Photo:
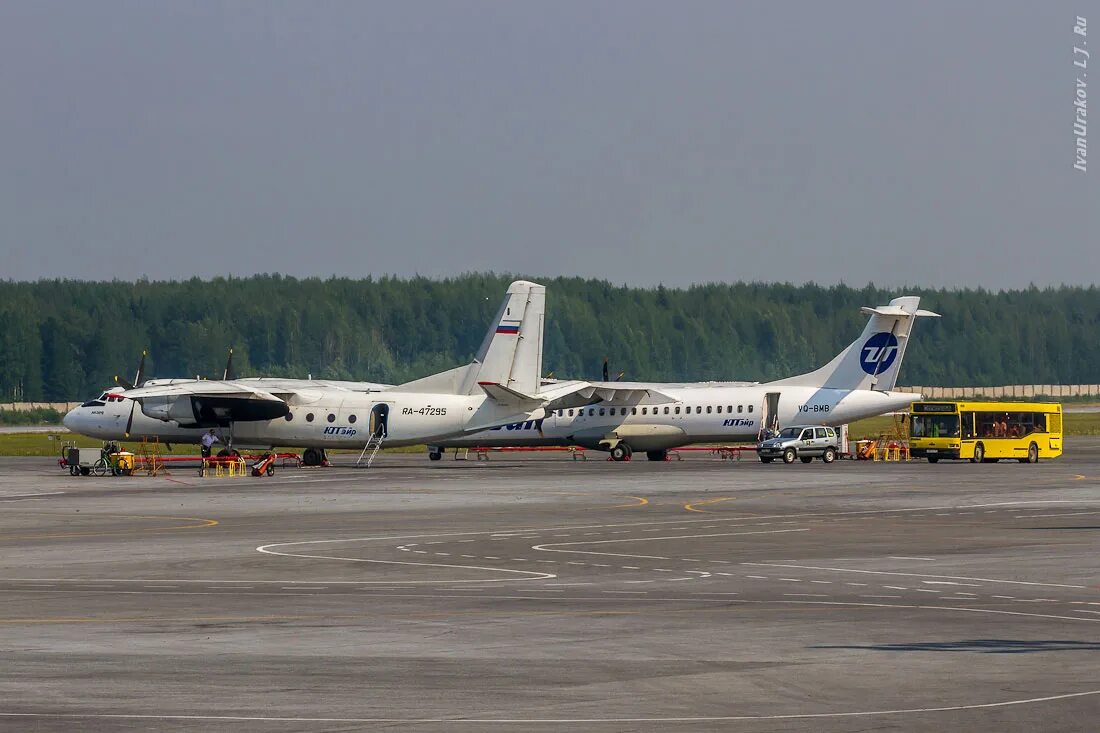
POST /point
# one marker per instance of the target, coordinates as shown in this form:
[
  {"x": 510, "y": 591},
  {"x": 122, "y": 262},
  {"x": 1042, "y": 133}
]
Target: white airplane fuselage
[
  {"x": 317, "y": 419},
  {"x": 699, "y": 414}
]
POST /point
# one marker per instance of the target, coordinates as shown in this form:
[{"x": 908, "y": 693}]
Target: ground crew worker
[{"x": 208, "y": 440}]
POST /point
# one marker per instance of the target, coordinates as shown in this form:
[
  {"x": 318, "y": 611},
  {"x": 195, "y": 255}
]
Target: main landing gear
[
  {"x": 621, "y": 452},
  {"x": 314, "y": 457}
]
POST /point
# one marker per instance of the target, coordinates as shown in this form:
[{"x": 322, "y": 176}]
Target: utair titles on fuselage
[
  {"x": 500, "y": 386},
  {"x": 656, "y": 417}
]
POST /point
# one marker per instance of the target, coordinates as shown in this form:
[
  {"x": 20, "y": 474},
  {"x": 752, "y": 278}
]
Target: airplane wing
[
  {"x": 578, "y": 394},
  {"x": 197, "y": 387},
  {"x": 207, "y": 403}
]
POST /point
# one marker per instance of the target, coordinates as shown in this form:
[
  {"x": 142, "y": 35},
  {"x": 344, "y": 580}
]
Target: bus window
[{"x": 934, "y": 426}]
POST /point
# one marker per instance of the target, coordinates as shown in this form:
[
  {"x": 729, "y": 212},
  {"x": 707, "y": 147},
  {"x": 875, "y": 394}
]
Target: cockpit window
[{"x": 92, "y": 403}]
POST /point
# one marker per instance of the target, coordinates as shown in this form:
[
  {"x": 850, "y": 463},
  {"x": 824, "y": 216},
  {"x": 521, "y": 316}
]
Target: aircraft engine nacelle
[
  {"x": 178, "y": 409},
  {"x": 208, "y": 411}
]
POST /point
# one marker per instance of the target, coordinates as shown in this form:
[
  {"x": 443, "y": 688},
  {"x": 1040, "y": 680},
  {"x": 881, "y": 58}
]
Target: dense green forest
[{"x": 63, "y": 340}]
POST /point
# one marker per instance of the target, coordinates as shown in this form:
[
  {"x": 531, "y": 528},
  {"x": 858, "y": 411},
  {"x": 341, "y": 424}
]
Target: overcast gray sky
[{"x": 924, "y": 143}]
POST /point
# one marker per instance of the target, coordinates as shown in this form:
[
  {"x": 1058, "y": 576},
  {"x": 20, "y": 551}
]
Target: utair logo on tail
[{"x": 879, "y": 353}]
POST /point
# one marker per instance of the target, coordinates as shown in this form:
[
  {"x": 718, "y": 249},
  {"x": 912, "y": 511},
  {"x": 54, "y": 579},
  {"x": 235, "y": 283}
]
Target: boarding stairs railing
[{"x": 374, "y": 444}]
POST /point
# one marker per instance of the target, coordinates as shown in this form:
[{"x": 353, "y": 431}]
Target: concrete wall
[
  {"x": 24, "y": 406},
  {"x": 1005, "y": 391}
]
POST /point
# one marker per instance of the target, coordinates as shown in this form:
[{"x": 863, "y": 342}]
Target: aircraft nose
[{"x": 70, "y": 419}]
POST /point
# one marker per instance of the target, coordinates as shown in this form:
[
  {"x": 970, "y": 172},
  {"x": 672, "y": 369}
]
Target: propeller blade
[
  {"x": 140, "y": 376},
  {"x": 605, "y": 370},
  {"x": 130, "y": 421},
  {"x": 620, "y": 377},
  {"x": 227, "y": 374},
  {"x": 123, "y": 383}
]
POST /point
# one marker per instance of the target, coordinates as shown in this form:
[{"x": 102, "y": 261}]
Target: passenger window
[
  {"x": 750, "y": 408},
  {"x": 351, "y": 419},
  {"x": 331, "y": 417},
  {"x": 666, "y": 410},
  {"x": 677, "y": 410},
  {"x": 645, "y": 410},
  {"x": 740, "y": 407},
  {"x": 570, "y": 413},
  {"x": 820, "y": 432},
  {"x": 601, "y": 412},
  {"x": 309, "y": 417},
  {"x": 719, "y": 409},
  {"x": 289, "y": 416},
  {"x": 591, "y": 411},
  {"x": 708, "y": 409},
  {"x": 633, "y": 410}
]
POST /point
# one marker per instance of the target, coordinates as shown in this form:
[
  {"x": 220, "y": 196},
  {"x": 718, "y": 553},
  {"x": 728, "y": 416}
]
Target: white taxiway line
[{"x": 551, "y": 721}]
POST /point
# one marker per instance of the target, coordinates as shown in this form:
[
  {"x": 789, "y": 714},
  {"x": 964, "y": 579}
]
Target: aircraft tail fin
[
  {"x": 872, "y": 361},
  {"x": 510, "y": 355}
]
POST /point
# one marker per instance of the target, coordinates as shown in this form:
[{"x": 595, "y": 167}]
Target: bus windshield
[{"x": 934, "y": 426}]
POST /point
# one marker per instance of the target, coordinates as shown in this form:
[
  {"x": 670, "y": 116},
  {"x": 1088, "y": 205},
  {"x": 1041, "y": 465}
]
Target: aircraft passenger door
[
  {"x": 769, "y": 421},
  {"x": 379, "y": 420}
]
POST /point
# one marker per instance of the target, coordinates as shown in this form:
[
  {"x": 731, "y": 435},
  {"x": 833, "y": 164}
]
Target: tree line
[{"x": 65, "y": 339}]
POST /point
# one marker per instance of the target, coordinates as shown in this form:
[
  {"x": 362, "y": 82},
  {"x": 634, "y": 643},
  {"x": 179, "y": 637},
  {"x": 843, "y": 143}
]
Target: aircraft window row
[
  {"x": 309, "y": 417},
  {"x": 612, "y": 411}
]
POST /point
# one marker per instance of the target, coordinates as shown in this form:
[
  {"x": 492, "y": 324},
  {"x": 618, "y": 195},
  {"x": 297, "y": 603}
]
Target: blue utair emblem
[{"x": 879, "y": 352}]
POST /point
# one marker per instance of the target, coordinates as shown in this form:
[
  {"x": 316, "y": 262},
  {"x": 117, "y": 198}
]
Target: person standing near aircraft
[{"x": 208, "y": 440}]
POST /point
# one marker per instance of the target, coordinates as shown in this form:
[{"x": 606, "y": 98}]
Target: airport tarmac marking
[
  {"x": 914, "y": 575},
  {"x": 691, "y": 507},
  {"x": 640, "y": 501},
  {"x": 202, "y": 524},
  {"x": 28, "y": 497}
]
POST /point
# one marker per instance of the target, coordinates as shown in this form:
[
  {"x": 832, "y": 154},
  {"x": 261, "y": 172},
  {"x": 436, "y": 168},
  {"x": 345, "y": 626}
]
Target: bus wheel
[
  {"x": 1033, "y": 453},
  {"x": 979, "y": 453},
  {"x": 933, "y": 459}
]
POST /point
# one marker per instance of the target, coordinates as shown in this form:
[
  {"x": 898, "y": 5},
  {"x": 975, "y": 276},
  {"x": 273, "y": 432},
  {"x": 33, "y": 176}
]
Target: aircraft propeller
[{"x": 126, "y": 384}]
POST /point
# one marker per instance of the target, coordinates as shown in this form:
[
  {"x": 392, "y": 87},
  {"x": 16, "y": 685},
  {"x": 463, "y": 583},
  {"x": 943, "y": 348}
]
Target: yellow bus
[{"x": 985, "y": 432}]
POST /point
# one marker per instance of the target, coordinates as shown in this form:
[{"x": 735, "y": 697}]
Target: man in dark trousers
[{"x": 208, "y": 441}]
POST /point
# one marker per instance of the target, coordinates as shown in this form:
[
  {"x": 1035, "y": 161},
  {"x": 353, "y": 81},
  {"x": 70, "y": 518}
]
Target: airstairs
[{"x": 374, "y": 444}]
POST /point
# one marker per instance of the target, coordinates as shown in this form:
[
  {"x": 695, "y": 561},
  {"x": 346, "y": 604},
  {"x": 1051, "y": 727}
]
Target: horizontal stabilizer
[{"x": 507, "y": 396}]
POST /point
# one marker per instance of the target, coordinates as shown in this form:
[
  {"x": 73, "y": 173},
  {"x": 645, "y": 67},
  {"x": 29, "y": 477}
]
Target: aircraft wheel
[
  {"x": 435, "y": 455},
  {"x": 312, "y": 457},
  {"x": 619, "y": 452},
  {"x": 657, "y": 455},
  {"x": 829, "y": 455},
  {"x": 789, "y": 455}
]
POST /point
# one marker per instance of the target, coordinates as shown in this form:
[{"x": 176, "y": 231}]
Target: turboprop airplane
[
  {"x": 500, "y": 386},
  {"x": 857, "y": 383}
]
